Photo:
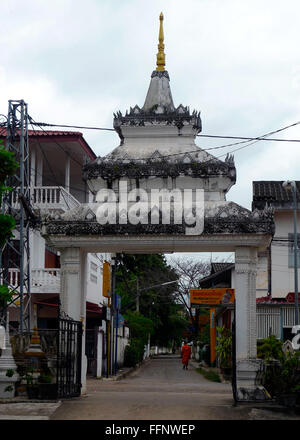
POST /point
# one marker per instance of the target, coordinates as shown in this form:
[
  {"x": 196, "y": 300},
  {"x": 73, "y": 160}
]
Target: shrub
[
  {"x": 224, "y": 347},
  {"x": 134, "y": 352},
  {"x": 270, "y": 349},
  {"x": 5, "y": 295}
]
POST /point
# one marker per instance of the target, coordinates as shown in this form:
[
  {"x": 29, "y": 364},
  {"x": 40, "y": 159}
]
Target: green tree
[
  {"x": 136, "y": 274},
  {"x": 140, "y": 327},
  {"x": 8, "y": 166}
]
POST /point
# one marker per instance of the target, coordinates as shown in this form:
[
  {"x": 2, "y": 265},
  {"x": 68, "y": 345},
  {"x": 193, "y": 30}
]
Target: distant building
[
  {"x": 279, "y": 271},
  {"x": 275, "y": 271}
]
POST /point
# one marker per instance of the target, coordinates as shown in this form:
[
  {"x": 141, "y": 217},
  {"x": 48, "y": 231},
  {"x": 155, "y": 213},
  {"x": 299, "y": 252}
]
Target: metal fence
[
  {"x": 272, "y": 320},
  {"x": 56, "y": 357}
]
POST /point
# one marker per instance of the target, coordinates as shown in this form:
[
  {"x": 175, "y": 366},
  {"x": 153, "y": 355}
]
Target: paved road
[{"x": 160, "y": 390}]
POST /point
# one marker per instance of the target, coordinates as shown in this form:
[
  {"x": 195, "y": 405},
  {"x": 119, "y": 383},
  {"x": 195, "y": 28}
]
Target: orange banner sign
[{"x": 211, "y": 297}]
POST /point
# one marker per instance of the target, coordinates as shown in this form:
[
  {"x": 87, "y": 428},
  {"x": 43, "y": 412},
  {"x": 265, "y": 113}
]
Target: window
[
  {"x": 93, "y": 278},
  {"x": 291, "y": 250},
  {"x": 94, "y": 267}
]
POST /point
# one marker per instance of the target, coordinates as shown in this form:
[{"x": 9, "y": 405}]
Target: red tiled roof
[
  {"x": 291, "y": 297},
  {"x": 270, "y": 300},
  {"x": 45, "y": 133},
  {"x": 57, "y": 133}
]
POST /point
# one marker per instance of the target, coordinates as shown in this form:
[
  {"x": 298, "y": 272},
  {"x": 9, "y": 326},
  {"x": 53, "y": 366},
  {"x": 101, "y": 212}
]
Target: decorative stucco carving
[
  {"x": 118, "y": 169},
  {"x": 136, "y": 117},
  {"x": 219, "y": 218}
]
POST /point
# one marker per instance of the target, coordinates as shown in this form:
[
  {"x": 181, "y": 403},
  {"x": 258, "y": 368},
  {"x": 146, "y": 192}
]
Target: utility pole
[
  {"x": 292, "y": 186},
  {"x": 295, "y": 253},
  {"x": 112, "y": 315},
  {"x": 106, "y": 292},
  {"x": 16, "y": 255}
]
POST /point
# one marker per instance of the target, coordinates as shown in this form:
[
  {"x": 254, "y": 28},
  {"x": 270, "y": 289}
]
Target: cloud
[{"x": 238, "y": 62}]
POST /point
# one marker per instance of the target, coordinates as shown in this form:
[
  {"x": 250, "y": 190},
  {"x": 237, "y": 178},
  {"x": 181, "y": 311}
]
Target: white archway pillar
[
  {"x": 73, "y": 293},
  {"x": 245, "y": 286}
]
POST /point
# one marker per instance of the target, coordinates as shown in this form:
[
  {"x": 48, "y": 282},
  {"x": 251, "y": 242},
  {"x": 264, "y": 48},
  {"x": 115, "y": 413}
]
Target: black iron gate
[{"x": 69, "y": 355}]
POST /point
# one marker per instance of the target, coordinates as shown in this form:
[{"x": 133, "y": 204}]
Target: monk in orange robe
[{"x": 186, "y": 354}]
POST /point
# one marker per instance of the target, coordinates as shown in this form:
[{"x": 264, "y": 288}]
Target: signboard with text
[{"x": 211, "y": 297}]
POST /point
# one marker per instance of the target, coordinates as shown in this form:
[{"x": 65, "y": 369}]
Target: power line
[
  {"x": 253, "y": 141},
  {"x": 32, "y": 122},
  {"x": 45, "y": 124},
  {"x": 247, "y": 139},
  {"x": 260, "y": 138}
]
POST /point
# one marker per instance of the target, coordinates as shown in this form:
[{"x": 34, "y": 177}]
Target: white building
[
  {"x": 275, "y": 290},
  {"x": 56, "y": 185}
]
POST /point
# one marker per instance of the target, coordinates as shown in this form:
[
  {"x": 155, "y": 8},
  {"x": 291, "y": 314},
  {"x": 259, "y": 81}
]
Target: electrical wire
[
  {"x": 32, "y": 122},
  {"x": 45, "y": 124}
]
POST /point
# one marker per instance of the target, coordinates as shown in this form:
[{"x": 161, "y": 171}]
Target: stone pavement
[
  {"x": 162, "y": 390},
  {"x": 158, "y": 389},
  {"x": 20, "y": 408},
  {"x": 27, "y": 410}
]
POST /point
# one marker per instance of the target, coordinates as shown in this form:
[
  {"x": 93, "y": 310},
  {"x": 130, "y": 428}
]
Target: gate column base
[{"x": 247, "y": 389}]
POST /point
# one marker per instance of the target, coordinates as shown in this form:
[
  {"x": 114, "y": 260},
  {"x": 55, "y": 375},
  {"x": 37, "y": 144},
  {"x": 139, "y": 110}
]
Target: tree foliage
[
  {"x": 139, "y": 273},
  {"x": 8, "y": 167},
  {"x": 189, "y": 273}
]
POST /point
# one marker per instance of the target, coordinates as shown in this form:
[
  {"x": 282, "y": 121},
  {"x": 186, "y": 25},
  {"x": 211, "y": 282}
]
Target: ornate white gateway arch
[{"x": 159, "y": 192}]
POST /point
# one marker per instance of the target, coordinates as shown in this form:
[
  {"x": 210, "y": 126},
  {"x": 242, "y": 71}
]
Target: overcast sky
[{"x": 238, "y": 62}]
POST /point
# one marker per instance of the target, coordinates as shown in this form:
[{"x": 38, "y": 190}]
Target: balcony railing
[
  {"x": 48, "y": 197},
  {"x": 41, "y": 280}
]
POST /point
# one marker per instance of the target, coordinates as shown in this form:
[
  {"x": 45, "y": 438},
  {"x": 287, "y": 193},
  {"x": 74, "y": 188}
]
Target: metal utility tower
[{"x": 15, "y": 256}]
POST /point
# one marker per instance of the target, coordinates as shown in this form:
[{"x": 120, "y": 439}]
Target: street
[{"x": 160, "y": 390}]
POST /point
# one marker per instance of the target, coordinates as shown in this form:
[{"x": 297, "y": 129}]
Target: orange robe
[{"x": 186, "y": 353}]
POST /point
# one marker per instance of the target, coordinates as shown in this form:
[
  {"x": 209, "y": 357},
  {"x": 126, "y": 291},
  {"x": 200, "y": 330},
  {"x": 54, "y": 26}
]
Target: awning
[{"x": 92, "y": 310}]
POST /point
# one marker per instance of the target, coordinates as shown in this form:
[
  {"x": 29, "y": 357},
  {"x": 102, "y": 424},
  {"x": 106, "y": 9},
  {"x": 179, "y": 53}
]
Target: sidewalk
[
  {"x": 27, "y": 409},
  {"x": 21, "y": 408}
]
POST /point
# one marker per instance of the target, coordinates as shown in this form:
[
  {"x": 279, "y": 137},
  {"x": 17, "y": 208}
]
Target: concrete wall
[{"x": 282, "y": 277}]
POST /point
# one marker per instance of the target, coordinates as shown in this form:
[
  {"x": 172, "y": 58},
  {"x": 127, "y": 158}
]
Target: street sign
[
  {"x": 211, "y": 297},
  {"x": 121, "y": 320},
  {"x": 118, "y": 302}
]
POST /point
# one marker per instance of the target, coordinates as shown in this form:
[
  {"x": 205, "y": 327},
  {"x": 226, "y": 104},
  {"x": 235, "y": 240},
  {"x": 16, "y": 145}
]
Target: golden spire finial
[{"x": 160, "y": 57}]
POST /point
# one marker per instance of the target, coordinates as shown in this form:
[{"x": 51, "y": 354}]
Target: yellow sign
[
  {"x": 106, "y": 289},
  {"x": 211, "y": 297}
]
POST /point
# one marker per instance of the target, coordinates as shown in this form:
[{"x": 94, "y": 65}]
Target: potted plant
[
  {"x": 224, "y": 350},
  {"x": 31, "y": 385},
  {"x": 47, "y": 389},
  {"x": 9, "y": 388}
]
